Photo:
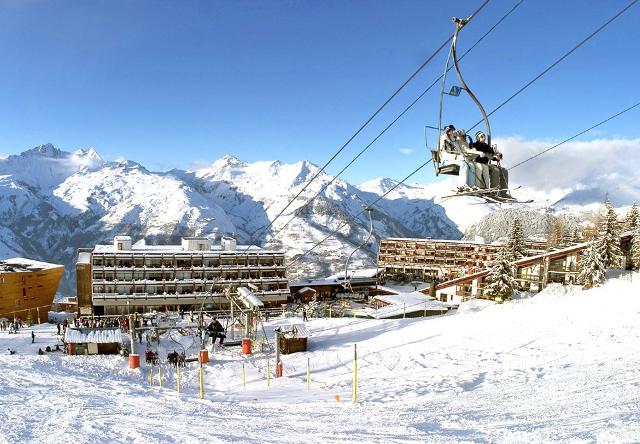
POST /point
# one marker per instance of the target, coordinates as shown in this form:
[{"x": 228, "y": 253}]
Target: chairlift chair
[{"x": 457, "y": 157}]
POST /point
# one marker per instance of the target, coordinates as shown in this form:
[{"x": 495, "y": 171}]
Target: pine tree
[
  {"x": 516, "y": 247},
  {"x": 554, "y": 234},
  {"x": 500, "y": 280},
  {"x": 632, "y": 221},
  {"x": 608, "y": 238},
  {"x": 591, "y": 266},
  {"x": 576, "y": 236},
  {"x": 635, "y": 250}
]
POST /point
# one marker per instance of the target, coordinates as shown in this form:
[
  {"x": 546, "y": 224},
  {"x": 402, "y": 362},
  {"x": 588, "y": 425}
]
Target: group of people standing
[
  {"x": 479, "y": 162},
  {"x": 11, "y": 326}
]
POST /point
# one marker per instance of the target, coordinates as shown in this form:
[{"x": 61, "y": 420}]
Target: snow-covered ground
[{"x": 563, "y": 365}]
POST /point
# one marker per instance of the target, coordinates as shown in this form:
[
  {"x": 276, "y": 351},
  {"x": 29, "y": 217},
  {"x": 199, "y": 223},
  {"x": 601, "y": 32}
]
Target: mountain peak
[
  {"x": 46, "y": 150},
  {"x": 230, "y": 160},
  {"x": 89, "y": 153}
]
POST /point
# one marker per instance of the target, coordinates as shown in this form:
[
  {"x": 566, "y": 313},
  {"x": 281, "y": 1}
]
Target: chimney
[
  {"x": 122, "y": 243},
  {"x": 228, "y": 242}
]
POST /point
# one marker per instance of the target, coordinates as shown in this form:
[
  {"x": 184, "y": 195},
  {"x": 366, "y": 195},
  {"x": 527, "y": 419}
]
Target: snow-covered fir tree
[
  {"x": 608, "y": 238},
  {"x": 632, "y": 221},
  {"x": 500, "y": 282},
  {"x": 516, "y": 248},
  {"x": 635, "y": 250},
  {"x": 576, "y": 236},
  {"x": 591, "y": 266}
]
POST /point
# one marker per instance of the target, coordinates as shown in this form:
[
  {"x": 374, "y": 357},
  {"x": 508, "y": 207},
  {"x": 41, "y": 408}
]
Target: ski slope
[{"x": 563, "y": 365}]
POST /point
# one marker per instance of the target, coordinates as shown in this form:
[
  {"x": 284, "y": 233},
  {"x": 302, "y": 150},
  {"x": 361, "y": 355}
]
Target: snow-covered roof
[
  {"x": 240, "y": 249},
  {"x": 405, "y": 303},
  {"x": 20, "y": 264},
  {"x": 314, "y": 282},
  {"x": 93, "y": 335},
  {"x": 443, "y": 241},
  {"x": 364, "y": 273},
  {"x": 306, "y": 289}
]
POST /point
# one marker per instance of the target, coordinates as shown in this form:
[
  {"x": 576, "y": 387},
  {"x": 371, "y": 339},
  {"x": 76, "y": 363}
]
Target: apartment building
[
  {"x": 123, "y": 277},
  {"x": 424, "y": 259}
]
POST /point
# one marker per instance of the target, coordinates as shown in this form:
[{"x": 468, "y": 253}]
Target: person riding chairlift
[{"x": 473, "y": 173}]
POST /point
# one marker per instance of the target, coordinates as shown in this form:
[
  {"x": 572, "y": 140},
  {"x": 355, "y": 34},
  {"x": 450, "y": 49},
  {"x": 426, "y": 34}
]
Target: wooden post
[
  {"x": 178, "y": 377},
  {"x": 151, "y": 375},
  {"x": 404, "y": 310},
  {"x": 160, "y": 375},
  {"x": 244, "y": 376},
  {"x": 268, "y": 375},
  {"x": 354, "y": 394},
  {"x": 308, "y": 375},
  {"x": 201, "y": 381}
]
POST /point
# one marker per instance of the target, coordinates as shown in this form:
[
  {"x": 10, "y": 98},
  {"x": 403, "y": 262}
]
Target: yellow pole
[
  {"x": 244, "y": 376},
  {"x": 268, "y": 375},
  {"x": 178, "y": 377},
  {"x": 354, "y": 395},
  {"x": 160, "y": 375},
  {"x": 201, "y": 382},
  {"x": 308, "y": 375},
  {"x": 151, "y": 376}
]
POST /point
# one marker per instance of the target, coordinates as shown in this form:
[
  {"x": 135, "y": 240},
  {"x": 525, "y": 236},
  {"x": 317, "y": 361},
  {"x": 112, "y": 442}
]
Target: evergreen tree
[
  {"x": 516, "y": 247},
  {"x": 500, "y": 280},
  {"x": 632, "y": 221},
  {"x": 555, "y": 233},
  {"x": 576, "y": 236},
  {"x": 608, "y": 238},
  {"x": 635, "y": 250},
  {"x": 591, "y": 266}
]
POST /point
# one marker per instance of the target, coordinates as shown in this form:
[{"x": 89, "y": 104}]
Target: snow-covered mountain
[{"x": 53, "y": 202}]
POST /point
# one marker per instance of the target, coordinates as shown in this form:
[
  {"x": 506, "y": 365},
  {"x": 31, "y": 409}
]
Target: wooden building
[
  {"x": 27, "y": 288},
  {"x": 93, "y": 341},
  {"x": 533, "y": 273}
]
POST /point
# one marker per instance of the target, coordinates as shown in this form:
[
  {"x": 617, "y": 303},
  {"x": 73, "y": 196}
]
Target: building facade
[
  {"x": 124, "y": 278},
  {"x": 426, "y": 259},
  {"x": 27, "y": 288}
]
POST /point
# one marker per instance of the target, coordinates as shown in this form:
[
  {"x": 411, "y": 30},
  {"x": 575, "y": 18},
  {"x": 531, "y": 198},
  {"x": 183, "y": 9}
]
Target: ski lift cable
[
  {"x": 496, "y": 109},
  {"x": 564, "y": 56},
  {"x": 406, "y": 82},
  {"x": 343, "y": 224},
  {"x": 347, "y": 278},
  {"x": 576, "y": 135},
  {"x": 394, "y": 121},
  {"x": 427, "y": 162}
]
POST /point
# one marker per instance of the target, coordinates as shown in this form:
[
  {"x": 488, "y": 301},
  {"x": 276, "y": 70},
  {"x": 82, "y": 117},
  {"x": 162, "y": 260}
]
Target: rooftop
[
  {"x": 22, "y": 265},
  {"x": 240, "y": 249}
]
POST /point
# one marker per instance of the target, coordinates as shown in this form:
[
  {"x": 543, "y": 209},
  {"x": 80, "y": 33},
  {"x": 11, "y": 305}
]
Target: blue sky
[{"x": 182, "y": 83}]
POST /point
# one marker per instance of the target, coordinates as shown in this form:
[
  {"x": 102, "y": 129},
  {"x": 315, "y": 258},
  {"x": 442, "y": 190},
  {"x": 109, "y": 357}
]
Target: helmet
[
  {"x": 449, "y": 127},
  {"x": 478, "y": 134}
]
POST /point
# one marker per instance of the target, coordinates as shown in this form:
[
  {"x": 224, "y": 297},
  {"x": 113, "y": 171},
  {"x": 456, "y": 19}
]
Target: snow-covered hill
[{"x": 560, "y": 366}]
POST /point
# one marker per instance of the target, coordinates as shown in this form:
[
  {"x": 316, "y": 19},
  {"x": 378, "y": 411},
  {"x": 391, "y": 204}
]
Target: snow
[
  {"x": 562, "y": 365},
  {"x": 23, "y": 264},
  {"x": 405, "y": 303},
  {"x": 97, "y": 336}
]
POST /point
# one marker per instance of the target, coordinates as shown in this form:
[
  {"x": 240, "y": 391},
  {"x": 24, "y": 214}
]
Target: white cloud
[
  {"x": 406, "y": 151},
  {"x": 607, "y": 165}
]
